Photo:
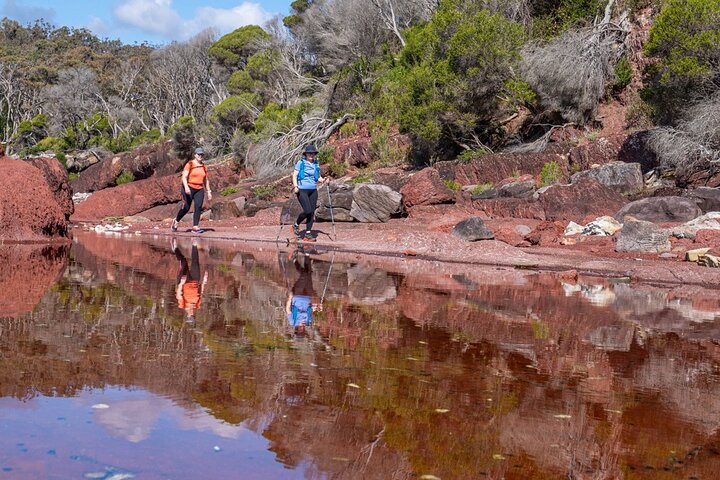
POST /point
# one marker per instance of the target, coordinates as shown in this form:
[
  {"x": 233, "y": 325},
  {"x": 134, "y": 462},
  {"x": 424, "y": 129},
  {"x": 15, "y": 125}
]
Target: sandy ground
[{"x": 409, "y": 240}]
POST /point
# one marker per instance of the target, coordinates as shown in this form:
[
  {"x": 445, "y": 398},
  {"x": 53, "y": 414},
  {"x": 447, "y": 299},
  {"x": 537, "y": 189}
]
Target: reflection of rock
[
  {"x": 617, "y": 338},
  {"x": 28, "y": 271},
  {"x": 369, "y": 286}
]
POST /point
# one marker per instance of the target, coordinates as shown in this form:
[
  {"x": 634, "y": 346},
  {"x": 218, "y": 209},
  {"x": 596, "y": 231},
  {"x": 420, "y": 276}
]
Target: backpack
[
  {"x": 301, "y": 171},
  {"x": 295, "y": 311}
]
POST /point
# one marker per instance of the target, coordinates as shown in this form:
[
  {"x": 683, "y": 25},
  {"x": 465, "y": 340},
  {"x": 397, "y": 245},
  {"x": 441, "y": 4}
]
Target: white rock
[{"x": 573, "y": 229}]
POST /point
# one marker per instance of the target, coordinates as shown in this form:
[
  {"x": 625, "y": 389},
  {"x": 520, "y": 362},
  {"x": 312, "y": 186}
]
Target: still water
[{"x": 124, "y": 357}]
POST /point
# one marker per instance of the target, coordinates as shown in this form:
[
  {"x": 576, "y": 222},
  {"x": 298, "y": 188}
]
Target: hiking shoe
[
  {"x": 296, "y": 231},
  {"x": 174, "y": 225},
  {"x": 309, "y": 237}
]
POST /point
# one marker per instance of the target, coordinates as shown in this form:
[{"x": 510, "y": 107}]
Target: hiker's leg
[
  {"x": 186, "y": 205},
  {"x": 304, "y": 200},
  {"x": 194, "y": 265},
  {"x": 198, "y": 198},
  {"x": 183, "y": 271},
  {"x": 313, "y": 197}
]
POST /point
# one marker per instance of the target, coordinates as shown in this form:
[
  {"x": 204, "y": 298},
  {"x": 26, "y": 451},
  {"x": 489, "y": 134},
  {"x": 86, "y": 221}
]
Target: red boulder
[
  {"x": 426, "y": 188},
  {"x": 575, "y": 202},
  {"x": 30, "y": 210}
]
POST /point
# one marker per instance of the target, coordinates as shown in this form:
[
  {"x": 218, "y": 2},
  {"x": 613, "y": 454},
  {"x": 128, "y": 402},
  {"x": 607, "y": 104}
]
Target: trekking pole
[
  {"x": 281, "y": 227},
  {"x": 322, "y": 297},
  {"x": 332, "y": 215}
]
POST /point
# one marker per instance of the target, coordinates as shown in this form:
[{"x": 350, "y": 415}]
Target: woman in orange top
[
  {"x": 189, "y": 288},
  {"x": 195, "y": 182}
]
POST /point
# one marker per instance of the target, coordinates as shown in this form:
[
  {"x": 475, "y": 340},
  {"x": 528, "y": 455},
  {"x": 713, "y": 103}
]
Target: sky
[{"x": 157, "y": 22}]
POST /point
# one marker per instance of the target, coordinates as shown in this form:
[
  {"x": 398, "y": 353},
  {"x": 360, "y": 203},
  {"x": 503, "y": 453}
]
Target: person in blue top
[
  {"x": 299, "y": 307},
  {"x": 306, "y": 178}
]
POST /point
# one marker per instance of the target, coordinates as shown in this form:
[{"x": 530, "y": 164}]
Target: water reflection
[
  {"x": 189, "y": 286},
  {"x": 409, "y": 369}
]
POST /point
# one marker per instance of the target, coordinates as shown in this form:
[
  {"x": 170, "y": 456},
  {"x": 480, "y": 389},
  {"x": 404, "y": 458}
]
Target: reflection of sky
[{"x": 140, "y": 433}]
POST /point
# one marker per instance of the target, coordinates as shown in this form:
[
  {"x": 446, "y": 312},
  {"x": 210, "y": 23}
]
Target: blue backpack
[
  {"x": 295, "y": 311},
  {"x": 301, "y": 170}
]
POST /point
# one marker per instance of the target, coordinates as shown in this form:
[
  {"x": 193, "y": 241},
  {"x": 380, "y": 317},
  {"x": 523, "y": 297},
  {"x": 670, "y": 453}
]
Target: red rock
[
  {"x": 600, "y": 152},
  {"x": 57, "y": 179},
  {"x": 510, "y": 232},
  {"x": 708, "y": 238},
  {"x": 30, "y": 210},
  {"x": 509, "y": 180},
  {"x": 496, "y": 167},
  {"x": 129, "y": 199},
  {"x": 569, "y": 275},
  {"x": 426, "y": 188},
  {"x": 547, "y": 233},
  {"x": 143, "y": 162},
  {"x": 574, "y": 202},
  {"x": 510, "y": 208}
]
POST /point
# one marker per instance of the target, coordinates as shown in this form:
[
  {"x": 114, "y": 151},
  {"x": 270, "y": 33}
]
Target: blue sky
[{"x": 154, "y": 21}]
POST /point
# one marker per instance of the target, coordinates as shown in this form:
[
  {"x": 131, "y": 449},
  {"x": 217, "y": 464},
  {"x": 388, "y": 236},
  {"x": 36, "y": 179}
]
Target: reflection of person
[
  {"x": 194, "y": 185},
  {"x": 299, "y": 307},
  {"x": 189, "y": 289},
  {"x": 305, "y": 178}
]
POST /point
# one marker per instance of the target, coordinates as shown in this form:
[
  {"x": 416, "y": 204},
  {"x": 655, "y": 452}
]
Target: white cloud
[
  {"x": 98, "y": 26},
  {"x": 158, "y": 17},
  {"x": 25, "y": 13}
]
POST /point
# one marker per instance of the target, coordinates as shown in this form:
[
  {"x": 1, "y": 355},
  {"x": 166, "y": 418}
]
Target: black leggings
[
  {"x": 193, "y": 271},
  {"x": 304, "y": 284},
  {"x": 197, "y": 196},
  {"x": 308, "y": 200}
]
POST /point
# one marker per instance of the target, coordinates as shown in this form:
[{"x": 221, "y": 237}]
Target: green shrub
[
  {"x": 468, "y": 155},
  {"x": 685, "y": 38},
  {"x": 145, "y": 138},
  {"x": 348, "y": 129},
  {"x": 124, "y": 177},
  {"x": 623, "y": 74},
  {"x": 73, "y": 175},
  {"x": 264, "y": 191},
  {"x": 362, "y": 178},
  {"x": 481, "y": 188},
  {"x": 338, "y": 169},
  {"x": 229, "y": 191},
  {"x": 325, "y": 155},
  {"x": 551, "y": 173},
  {"x": 184, "y": 137},
  {"x": 234, "y": 48},
  {"x": 53, "y": 144},
  {"x": 447, "y": 80},
  {"x": 452, "y": 185}
]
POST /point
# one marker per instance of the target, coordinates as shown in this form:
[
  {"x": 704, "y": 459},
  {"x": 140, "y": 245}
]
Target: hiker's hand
[
  {"x": 296, "y": 189},
  {"x": 187, "y": 191},
  {"x": 209, "y": 195}
]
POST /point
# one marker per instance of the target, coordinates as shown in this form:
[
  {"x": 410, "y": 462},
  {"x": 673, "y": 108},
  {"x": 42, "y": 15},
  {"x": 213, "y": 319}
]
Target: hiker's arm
[
  {"x": 184, "y": 181},
  {"x": 294, "y": 180},
  {"x": 288, "y": 304},
  {"x": 178, "y": 290},
  {"x": 207, "y": 187}
]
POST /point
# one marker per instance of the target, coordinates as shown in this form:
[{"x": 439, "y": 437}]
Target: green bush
[
  {"x": 348, "y": 129},
  {"x": 146, "y": 138},
  {"x": 52, "y": 144},
  {"x": 325, "y": 155},
  {"x": 447, "y": 81},
  {"x": 481, "y": 188},
  {"x": 468, "y": 155},
  {"x": 452, "y": 185},
  {"x": 338, "y": 169},
  {"x": 685, "y": 38},
  {"x": 62, "y": 158},
  {"x": 623, "y": 74},
  {"x": 362, "y": 178},
  {"x": 264, "y": 191},
  {"x": 73, "y": 175},
  {"x": 551, "y": 173},
  {"x": 234, "y": 48},
  {"x": 124, "y": 177},
  {"x": 184, "y": 137},
  {"x": 229, "y": 191}
]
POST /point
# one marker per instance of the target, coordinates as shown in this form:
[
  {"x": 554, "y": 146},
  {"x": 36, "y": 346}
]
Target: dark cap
[
  {"x": 310, "y": 149},
  {"x": 199, "y": 151}
]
